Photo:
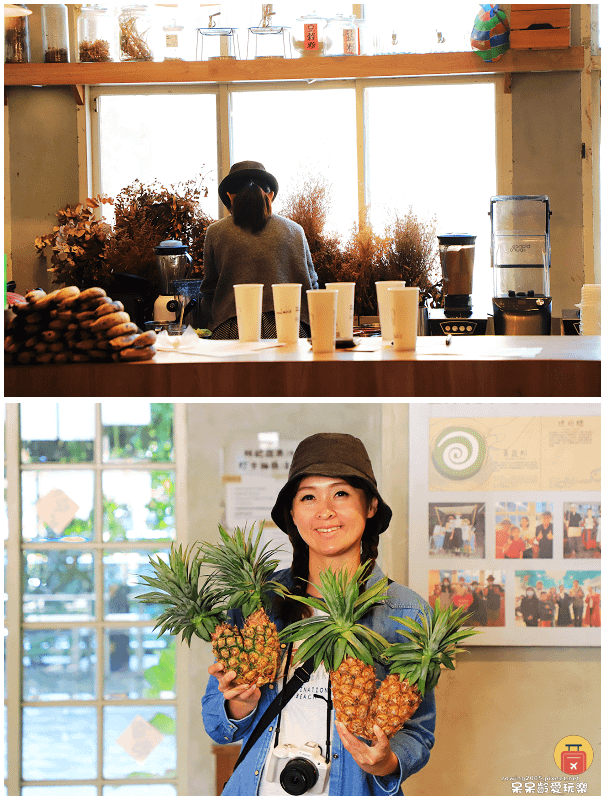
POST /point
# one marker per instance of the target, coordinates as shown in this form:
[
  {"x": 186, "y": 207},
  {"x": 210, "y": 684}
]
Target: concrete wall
[{"x": 503, "y": 710}]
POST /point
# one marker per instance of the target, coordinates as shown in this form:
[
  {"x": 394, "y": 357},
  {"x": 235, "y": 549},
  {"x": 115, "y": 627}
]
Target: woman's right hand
[{"x": 240, "y": 700}]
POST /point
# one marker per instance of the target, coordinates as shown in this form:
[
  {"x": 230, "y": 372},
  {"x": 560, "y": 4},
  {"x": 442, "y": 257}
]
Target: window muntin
[{"x": 83, "y": 639}]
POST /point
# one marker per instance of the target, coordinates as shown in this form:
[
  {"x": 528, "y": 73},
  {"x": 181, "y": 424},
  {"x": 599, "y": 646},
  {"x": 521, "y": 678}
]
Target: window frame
[
  {"x": 15, "y": 625},
  {"x": 223, "y": 92}
]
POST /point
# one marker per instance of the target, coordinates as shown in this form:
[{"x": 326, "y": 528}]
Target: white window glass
[
  {"x": 432, "y": 148},
  {"x": 59, "y": 742},
  {"x": 298, "y": 133},
  {"x": 169, "y": 138}
]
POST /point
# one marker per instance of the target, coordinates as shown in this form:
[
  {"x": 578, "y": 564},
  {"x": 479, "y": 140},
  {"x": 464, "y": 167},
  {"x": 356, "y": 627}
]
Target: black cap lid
[
  {"x": 456, "y": 238},
  {"x": 170, "y": 247}
]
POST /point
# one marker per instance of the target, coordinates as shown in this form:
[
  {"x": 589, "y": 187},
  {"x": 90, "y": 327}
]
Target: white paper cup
[
  {"x": 322, "y": 316},
  {"x": 384, "y": 307},
  {"x": 249, "y": 307},
  {"x": 403, "y": 305},
  {"x": 286, "y": 304},
  {"x": 345, "y": 309}
]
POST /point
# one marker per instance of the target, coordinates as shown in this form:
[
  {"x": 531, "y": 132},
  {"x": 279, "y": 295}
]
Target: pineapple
[
  {"x": 238, "y": 579},
  {"x": 415, "y": 665},
  {"x": 193, "y": 608},
  {"x": 348, "y": 650},
  {"x": 346, "y": 647},
  {"x": 241, "y": 573}
]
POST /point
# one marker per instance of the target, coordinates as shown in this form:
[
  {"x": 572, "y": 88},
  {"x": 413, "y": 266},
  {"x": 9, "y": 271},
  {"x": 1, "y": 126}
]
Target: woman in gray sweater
[{"x": 252, "y": 245}]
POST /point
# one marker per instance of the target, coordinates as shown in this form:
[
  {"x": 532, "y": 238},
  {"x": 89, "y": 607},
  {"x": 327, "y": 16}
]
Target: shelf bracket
[{"x": 79, "y": 93}]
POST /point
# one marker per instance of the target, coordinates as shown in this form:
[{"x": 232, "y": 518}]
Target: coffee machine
[
  {"x": 457, "y": 251},
  {"x": 521, "y": 259},
  {"x": 173, "y": 263}
]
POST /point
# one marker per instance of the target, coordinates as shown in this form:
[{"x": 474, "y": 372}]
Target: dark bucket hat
[
  {"x": 334, "y": 455},
  {"x": 240, "y": 174}
]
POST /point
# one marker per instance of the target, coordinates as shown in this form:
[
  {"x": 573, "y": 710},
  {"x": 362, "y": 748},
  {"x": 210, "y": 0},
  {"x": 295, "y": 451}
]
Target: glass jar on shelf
[
  {"x": 340, "y": 36},
  {"x": 172, "y": 41},
  {"x": 55, "y": 32},
  {"x": 17, "y": 48},
  {"x": 96, "y": 34},
  {"x": 307, "y": 36},
  {"x": 135, "y": 24},
  {"x": 366, "y": 44}
]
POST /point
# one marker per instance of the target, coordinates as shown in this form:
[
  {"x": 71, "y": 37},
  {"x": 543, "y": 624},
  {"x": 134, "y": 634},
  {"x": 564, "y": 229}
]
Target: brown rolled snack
[
  {"x": 57, "y": 347},
  {"x": 69, "y": 334},
  {"x": 109, "y": 308},
  {"x": 103, "y": 344},
  {"x": 44, "y": 358},
  {"x": 21, "y": 308},
  {"x": 91, "y": 293},
  {"x": 121, "y": 330},
  {"x": 109, "y": 321},
  {"x": 80, "y": 316},
  {"x": 31, "y": 329},
  {"x": 48, "y": 301},
  {"x": 135, "y": 354},
  {"x": 120, "y": 342},
  {"x": 67, "y": 316},
  {"x": 40, "y": 347},
  {"x": 67, "y": 292},
  {"x": 72, "y": 326},
  {"x": 30, "y": 343},
  {"x": 10, "y": 346},
  {"x": 25, "y": 357},
  {"x": 35, "y": 294},
  {"x": 86, "y": 324},
  {"x": 94, "y": 302},
  {"x": 51, "y": 335},
  {"x": 98, "y": 355},
  {"x": 80, "y": 357},
  {"x": 85, "y": 344},
  {"x": 145, "y": 339},
  {"x": 69, "y": 304},
  {"x": 33, "y": 318},
  {"x": 62, "y": 358},
  {"x": 57, "y": 324}
]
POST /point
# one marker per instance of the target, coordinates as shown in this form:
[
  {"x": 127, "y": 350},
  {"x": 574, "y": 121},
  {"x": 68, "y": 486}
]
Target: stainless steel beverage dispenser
[{"x": 521, "y": 258}]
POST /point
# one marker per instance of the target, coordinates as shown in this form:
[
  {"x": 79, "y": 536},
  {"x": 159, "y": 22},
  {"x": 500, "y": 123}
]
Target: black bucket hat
[
  {"x": 240, "y": 174},
  {"x": 334, "y": 455}
]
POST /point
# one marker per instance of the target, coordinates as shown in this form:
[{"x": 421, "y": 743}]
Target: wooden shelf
[{"x": 294, "y": 69}]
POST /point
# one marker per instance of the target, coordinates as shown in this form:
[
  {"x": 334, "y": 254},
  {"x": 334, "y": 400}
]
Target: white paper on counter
[{"x": 190, "y": 344}]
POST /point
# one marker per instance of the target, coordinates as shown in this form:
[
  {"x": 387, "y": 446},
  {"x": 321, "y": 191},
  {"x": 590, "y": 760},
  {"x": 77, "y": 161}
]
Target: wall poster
[{"x": 505, "y": 518}]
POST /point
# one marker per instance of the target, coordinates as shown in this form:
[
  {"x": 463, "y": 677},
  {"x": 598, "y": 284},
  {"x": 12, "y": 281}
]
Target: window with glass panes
[{"x": 95, "y": 498}]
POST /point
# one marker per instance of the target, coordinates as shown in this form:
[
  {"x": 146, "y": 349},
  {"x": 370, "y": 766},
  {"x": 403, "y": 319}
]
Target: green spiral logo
[{"x": 459, "y": 453}]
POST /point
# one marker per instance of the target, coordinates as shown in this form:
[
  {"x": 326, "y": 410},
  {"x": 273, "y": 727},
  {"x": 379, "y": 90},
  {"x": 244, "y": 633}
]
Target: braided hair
[{"x": 292, "y": 610}]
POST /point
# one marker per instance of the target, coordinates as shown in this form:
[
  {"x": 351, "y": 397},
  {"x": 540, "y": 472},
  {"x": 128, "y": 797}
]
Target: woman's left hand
[{"x": 377, "y": 759}]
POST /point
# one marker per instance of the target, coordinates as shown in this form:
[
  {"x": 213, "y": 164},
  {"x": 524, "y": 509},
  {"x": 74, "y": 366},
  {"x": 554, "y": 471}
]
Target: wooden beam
[{"x": 322, "y": 68}]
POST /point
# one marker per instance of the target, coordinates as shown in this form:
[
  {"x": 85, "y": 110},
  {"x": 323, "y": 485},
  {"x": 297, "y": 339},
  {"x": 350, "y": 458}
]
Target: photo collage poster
[{"x": 505, "y": 518}]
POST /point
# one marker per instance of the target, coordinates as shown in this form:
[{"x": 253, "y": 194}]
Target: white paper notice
[{"x": 250, "y": 500}]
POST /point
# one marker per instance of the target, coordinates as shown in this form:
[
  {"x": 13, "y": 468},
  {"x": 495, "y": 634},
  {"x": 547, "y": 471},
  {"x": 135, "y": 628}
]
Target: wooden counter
[{"x": 480, "y": 366}]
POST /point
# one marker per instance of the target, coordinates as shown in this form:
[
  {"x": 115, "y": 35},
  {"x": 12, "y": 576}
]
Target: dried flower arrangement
[
  {"x": 146, "y": 214},
  {"x": 89, "y": 252},
  {"x": 407, "y": 250},
  {"x": 78, "y": 244}
]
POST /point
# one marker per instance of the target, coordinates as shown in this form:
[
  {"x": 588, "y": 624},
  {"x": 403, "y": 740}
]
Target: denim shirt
[{"x": 412, "y": 744}]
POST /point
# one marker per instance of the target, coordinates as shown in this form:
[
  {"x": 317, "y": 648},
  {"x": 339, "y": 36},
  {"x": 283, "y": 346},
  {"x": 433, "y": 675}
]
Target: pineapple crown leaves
[
  {"x": 242, "y": 568},
  {"x": 338, "y": 634},
  {"x": 193, "y": 607},
  {"x": 432, "y": 642}
]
